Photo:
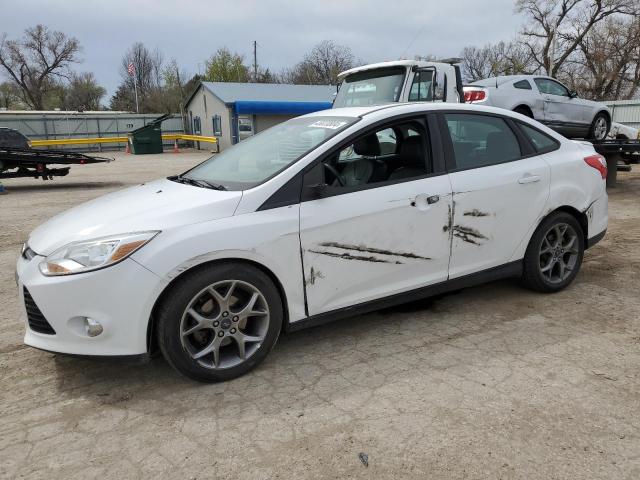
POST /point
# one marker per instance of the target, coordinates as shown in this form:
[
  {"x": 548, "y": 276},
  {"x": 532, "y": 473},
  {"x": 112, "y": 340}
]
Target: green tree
[
  {"x": 225, "y": 66},
  {"x": 10, "y": 97},
  {"x": 83, "y": 92}
]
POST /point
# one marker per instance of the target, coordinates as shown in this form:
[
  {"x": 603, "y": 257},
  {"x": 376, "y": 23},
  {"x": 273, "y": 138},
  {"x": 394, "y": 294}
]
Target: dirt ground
[{"x": 490, "y": 382}]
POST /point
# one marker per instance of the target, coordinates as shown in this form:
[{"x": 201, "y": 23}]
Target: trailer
[
  {"x": 19, "y": 160},
  {"x": 620, "y": 154},
  {"x": 28, "y": 162}
]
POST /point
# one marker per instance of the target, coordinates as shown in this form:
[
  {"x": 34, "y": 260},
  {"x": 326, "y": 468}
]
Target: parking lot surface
[{"x": 490, "y": 382}]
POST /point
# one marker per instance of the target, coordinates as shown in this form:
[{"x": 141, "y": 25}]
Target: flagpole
[
  {"x": 135, "y": 89},
  {"x": 132, "y": 71}
]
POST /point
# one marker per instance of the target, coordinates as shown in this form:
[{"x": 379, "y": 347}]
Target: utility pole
[{"x": 255, "y": 61}]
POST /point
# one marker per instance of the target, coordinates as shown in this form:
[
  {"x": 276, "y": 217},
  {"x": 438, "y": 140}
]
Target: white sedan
[
  {"x": 545, "y": 99},
  {"x": 321, "y": 217}
]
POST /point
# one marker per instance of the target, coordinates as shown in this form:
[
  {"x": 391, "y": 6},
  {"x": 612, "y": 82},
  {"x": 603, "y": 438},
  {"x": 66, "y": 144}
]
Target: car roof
[
  {"x": 391, "y": 64},
  {"x": 502, "y": 79},
  {"x": 390, "y": 109}
]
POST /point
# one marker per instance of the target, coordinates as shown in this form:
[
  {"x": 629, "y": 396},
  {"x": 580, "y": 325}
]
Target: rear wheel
[
  {"x": 599, "y": 127},
  {"x": 554, "y": 254},
  {"x": 218, "y": 323}
]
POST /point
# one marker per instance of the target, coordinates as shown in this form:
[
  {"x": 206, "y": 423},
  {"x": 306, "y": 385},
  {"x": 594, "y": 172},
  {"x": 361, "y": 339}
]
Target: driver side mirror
[
  {"x": 573, "y": 94},
  {"x": 317, "y": 190}
]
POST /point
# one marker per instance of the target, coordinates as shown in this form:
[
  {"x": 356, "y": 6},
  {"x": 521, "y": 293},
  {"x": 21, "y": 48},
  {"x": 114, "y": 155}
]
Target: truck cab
[{"x": 399, "y": 81}]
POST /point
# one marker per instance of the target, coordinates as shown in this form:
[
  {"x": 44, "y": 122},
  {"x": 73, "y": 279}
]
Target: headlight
[{"x": 79, "y": 257}]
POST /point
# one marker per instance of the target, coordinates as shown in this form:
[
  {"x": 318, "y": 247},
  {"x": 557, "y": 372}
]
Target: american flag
[{"x": 131, "y": 69}]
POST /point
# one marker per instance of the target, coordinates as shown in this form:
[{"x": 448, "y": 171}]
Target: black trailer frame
[
  {"x": 28, "y": 162},
  {"x": 619, "y": 154}
]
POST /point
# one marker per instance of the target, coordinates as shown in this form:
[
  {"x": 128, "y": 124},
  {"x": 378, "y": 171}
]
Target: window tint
[
  {"x": 541, "y": 142},
  {"x": 422, "y": 87},
  {"x": 523, "y": 85},
  {"x": 551, "y": 87},
  {"x": 393, "y": 153},
  {"x": 481, "y": 140}
]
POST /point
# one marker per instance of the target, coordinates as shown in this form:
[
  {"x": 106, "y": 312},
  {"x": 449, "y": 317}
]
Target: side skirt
[{"x": 508, "y": 270}]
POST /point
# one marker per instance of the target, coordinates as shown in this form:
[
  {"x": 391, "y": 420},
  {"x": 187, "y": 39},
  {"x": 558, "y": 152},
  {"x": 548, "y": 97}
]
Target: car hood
[{"x": 157, "y": 205}]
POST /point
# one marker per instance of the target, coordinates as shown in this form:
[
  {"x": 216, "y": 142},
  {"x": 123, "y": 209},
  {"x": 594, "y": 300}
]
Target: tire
[
  {"x": 600, "y": 127},
  {"x": 230, "y": 308},
  {"x": 544, "y": 251},
  {"x": 523, "y": 111}
]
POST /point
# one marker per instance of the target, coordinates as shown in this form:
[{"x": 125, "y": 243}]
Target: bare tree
[
  {"x": 495, "y": 59},
  {"x": 556, "y": 28},
  {"x": 38, "y": 61},
  {"x": 607, "y": 63},
  {"x": 321, "y": 65},
  {"x": 148, "y": 76}
]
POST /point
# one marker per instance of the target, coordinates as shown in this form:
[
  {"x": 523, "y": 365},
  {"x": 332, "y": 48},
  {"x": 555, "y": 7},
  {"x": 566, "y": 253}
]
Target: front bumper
[{"x": 119, "y": 297}]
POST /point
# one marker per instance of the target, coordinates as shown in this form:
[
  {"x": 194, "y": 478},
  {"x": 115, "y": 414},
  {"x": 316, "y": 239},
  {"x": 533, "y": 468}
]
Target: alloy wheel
[
  {"x": 600, "y": 128},
  {"x": 559, "y": 253},
  {"x": 224, "y": 324}
]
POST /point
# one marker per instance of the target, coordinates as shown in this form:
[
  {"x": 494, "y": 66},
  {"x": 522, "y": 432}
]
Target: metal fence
[
  {"x": 61, "y": 125},
  {"x": 626, "y": 112}
]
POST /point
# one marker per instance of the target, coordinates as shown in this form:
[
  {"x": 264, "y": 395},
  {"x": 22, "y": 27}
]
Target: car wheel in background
[
  {"x": 522, "y": 110},
  {"x": 599, "y": 127},
  {"x": 554, "y": 254},
  {"x": 218, "y": 323}
]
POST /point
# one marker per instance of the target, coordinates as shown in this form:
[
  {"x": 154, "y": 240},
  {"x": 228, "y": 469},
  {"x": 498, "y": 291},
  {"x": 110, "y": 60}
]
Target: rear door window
[{"x": 481, "y": 140}]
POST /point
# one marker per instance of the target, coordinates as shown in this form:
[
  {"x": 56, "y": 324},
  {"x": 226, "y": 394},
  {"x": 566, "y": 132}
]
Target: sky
[{"x": 192, "y": 30}]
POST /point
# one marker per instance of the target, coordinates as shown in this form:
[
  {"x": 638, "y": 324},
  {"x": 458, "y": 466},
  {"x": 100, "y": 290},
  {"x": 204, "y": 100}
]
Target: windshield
[
  {"x": 254, "y": 160},
  {"x": 371, "y": 87}
]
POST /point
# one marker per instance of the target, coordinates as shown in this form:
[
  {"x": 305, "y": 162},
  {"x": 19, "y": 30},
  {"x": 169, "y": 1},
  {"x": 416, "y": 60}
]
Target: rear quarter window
[
  {"x": 541, "y": 142},
  {"x": 523, "y": 85}
]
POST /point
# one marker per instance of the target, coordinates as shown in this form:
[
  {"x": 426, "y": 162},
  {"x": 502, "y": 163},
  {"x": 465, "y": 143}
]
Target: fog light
[{"x": 93, "y": 327}]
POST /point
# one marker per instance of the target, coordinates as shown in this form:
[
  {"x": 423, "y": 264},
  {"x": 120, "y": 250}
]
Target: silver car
[{"x": 546, "y": 100}]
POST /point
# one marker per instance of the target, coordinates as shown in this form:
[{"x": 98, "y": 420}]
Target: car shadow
[
  {"x": 105, "y": 381},
  {"x": 45, "y": 186}
]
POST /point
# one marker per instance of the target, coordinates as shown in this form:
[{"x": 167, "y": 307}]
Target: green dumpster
[{"x": 147, "y": 139}]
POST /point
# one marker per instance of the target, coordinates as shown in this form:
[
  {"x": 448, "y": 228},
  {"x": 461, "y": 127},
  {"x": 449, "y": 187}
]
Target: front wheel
[
  {"x": 554, "y": 254},
  {"x": 599, "y": 127},
  {"x": 219, "y": 322}
]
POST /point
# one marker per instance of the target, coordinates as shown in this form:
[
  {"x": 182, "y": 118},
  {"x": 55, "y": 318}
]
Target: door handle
[
  {"x": 528, "y": 178},
  {"x": 423, "y": 201}
]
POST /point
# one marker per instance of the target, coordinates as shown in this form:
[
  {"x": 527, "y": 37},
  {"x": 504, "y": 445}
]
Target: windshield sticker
[{"x": 331, "y": 124}]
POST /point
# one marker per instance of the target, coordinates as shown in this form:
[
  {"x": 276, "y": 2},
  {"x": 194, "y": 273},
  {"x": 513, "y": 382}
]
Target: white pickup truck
[{"x": 399, "y": 81}]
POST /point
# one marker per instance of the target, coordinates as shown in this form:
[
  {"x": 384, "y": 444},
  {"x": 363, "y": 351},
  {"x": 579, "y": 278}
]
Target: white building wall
[{"x": 205, "y": 105}]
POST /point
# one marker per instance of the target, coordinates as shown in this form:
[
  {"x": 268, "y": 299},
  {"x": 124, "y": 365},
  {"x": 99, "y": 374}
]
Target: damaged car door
[
  {"x": 372, "y": 216},
  {"x": 500, "y": 187}
]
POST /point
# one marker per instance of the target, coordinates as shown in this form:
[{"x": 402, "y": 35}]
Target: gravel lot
[{"x": 490, "y": 382}]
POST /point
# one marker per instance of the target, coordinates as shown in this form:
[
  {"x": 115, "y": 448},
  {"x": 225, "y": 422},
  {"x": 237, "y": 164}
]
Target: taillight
[
  {"x": 599, "y": 163},
  {"x": 471, "y": 96}
]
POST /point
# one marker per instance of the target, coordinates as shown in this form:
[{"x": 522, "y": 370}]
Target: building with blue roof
[{"x": 235, "y": 111}]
